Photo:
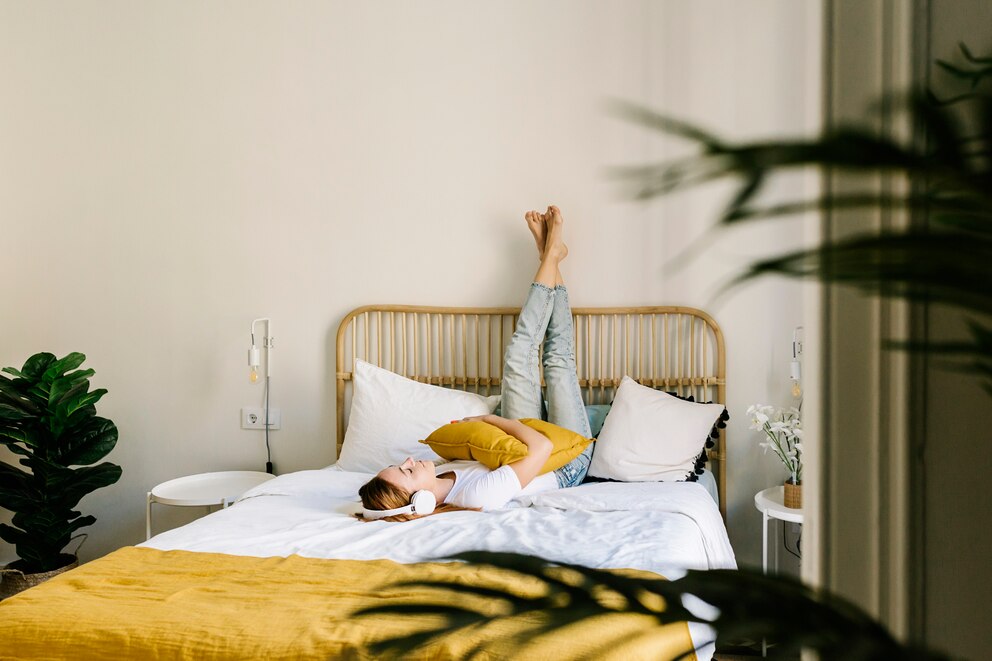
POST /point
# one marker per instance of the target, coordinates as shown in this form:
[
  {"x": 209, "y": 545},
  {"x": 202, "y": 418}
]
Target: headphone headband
[{"x": 422, "y": 503}]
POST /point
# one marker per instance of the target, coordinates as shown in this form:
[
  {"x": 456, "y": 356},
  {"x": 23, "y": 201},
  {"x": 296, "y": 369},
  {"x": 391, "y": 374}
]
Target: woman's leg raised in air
[
  {"x": 521, "y": 387},
  {"x": 565, "y": 406}
]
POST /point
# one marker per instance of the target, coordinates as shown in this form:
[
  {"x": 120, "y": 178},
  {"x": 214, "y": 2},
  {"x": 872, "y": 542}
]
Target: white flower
[
  {"x": 758, "y": 420},
  {"x": 779, "y": 426},
  {"x": 782, "y": 433}
]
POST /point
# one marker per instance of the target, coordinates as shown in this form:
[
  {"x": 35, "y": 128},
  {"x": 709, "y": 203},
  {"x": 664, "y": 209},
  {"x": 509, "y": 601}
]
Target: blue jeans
[{"x": 546, "y": 318}]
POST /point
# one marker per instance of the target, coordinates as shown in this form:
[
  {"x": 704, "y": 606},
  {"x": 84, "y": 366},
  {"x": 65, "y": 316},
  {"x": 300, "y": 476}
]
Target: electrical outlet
[{"x": 253, "y": 417}]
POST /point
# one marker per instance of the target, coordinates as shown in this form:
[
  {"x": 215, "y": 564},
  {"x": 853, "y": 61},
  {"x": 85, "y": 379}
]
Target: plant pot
[
  {"x": 793, "y": 495},
  {"x": 13, "y": 580}
]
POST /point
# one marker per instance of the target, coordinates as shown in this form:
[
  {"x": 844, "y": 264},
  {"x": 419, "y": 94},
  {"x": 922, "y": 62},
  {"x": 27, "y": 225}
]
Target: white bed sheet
[{"x": 661, "y": 527}]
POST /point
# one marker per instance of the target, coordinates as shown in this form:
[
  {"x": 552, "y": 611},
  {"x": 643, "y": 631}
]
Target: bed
[{"x": 278, "y": 574}]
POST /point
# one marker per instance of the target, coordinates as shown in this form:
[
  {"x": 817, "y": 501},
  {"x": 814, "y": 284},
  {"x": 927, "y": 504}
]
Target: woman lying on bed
[{"x": 413, "y": 489}]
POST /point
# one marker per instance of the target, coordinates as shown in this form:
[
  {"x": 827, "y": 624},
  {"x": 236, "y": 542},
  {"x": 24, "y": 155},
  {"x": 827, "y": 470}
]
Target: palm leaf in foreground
[
  {"x": 748, "y": 602},
  {"x": 947, "y": 262}
]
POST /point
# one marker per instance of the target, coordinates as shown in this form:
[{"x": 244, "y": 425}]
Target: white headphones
[{"x": 422, "y": 503}]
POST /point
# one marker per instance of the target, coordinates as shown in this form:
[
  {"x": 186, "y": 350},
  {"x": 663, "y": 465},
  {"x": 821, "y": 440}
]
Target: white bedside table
[
  {"x": 203, "y": 490},
  {"x": 771, "y": 504}
]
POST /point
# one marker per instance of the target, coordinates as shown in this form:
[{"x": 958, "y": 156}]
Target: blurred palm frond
[
  {"x": 947, "y": 260},
  {"x": 748, "y": 603}
]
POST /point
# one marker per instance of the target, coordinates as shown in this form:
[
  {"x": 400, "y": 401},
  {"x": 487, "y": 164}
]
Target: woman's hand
[
  {"x": 538, "y": 447},
  {"x": 474, "y": 418}
]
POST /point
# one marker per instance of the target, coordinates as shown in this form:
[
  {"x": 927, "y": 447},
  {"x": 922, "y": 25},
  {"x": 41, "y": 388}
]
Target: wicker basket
[
  {"x": 13, "y": 581},
  {"x": 793, "y": 495}
]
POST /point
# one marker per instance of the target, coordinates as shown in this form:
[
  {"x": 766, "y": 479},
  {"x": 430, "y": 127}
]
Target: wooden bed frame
[{"x": 678, "y": 349}]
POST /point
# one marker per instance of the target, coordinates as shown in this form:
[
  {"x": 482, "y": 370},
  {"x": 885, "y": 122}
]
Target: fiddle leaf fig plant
[{"x": 48, "y": 418}]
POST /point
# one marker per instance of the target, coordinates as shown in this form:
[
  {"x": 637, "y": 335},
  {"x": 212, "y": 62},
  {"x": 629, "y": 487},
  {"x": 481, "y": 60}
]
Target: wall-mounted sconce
[
  {"x": 795, "y": 367},
  {"x": 253, "y": 365}
]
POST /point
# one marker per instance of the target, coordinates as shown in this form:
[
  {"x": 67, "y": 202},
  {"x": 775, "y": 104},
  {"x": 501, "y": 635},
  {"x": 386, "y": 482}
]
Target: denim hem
[{"x": 544, "y": 287}]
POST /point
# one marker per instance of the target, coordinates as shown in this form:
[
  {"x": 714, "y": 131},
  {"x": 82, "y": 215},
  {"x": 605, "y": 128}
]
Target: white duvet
[{"x": 661, "y": 527}]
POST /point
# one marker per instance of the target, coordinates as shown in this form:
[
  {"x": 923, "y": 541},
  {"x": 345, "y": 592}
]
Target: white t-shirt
[{"x": 477, "y": 486}]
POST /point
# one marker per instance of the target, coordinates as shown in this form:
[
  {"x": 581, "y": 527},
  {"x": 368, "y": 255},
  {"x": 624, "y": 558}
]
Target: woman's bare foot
[
  {"x": 553, "y": 244},
  {"x": 535, "y": 222}
]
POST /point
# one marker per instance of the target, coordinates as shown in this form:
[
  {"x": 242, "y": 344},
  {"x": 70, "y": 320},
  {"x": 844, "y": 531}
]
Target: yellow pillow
[{"x": 492, "y": 447}]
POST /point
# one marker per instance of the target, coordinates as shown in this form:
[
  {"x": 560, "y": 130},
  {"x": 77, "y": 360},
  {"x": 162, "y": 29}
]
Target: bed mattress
[{"x": 664, "y": 528}]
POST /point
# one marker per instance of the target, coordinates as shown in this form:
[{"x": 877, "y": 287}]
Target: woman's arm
[{"x": 538, "y": 447}]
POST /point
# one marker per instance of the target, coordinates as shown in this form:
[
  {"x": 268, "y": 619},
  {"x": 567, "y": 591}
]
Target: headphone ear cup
[{"x": 423, "y": 502}]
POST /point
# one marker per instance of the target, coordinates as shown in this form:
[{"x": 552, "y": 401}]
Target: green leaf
[
  {"x": 8, "y": 412},
  {"x": 72, "y": 403},
  {"x": 63, "y": 365},
  {"x": 955, "y": 270},
  {"x": 81, "y": 522},
  {"x": 16, "y": 394},
  {"x": 749, "y": 603},
  {"x": 90, "y": 444},
  {"x": 16, "y": 491},
  {"x": 17, "y": 449},
  {"x": 12, "y": 535},
  {"x": 64, "y": 387},
  {"x": 11, "y": 435},
  {"x": 67, "y": 489},
  {"x": 651, "y": 119},
  {"x": 36, "y": 365}
]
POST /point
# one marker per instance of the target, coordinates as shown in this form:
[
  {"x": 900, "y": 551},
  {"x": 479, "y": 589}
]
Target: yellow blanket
[{"x": 139, "y": 603}]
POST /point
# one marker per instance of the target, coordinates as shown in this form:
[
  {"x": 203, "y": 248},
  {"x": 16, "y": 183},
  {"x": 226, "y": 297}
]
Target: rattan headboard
[{"x": 675, "y": 348}]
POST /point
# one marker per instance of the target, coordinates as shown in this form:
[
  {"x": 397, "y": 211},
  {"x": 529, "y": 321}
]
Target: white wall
[{"x": 170, "y": 171}]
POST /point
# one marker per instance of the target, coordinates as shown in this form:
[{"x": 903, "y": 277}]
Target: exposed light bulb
[
  {"x": 796, "y": 367},
  {"x": 253, "y": 363}
]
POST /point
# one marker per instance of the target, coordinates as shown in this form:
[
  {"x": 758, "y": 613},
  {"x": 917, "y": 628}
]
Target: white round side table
[
  {"x": 771, "y": 504},
  {"x": 202, "y": 490}
]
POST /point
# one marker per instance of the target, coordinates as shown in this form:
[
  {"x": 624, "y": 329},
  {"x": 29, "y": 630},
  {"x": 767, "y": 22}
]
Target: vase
[
  {"x": 794, "y": 495},
  {"x": 13, "y": 580}
]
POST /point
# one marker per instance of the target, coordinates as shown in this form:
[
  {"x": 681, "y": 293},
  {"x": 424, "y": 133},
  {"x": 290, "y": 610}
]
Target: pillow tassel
[{"x": 698, "y": 465}]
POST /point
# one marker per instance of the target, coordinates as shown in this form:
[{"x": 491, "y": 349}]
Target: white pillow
[
  {"x": 651, "y": 436},
  {"x": 391, "y": 413}
]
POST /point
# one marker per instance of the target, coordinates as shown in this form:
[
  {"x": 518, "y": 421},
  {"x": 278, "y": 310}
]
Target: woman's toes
[{"x": 535, "y": 222}]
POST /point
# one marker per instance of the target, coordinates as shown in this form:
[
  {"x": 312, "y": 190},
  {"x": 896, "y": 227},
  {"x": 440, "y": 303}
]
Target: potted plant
[
  {"x": 783, "y": 435},
  {"x": 48, "y": 418}
]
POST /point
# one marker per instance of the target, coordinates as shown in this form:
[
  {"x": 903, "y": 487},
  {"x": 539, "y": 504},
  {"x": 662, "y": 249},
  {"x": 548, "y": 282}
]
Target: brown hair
[{"x": 380, "y": 494}]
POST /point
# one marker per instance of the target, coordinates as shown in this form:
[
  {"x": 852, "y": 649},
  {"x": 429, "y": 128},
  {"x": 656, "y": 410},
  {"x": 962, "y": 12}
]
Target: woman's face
[{"x": 411, "y": 475}]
